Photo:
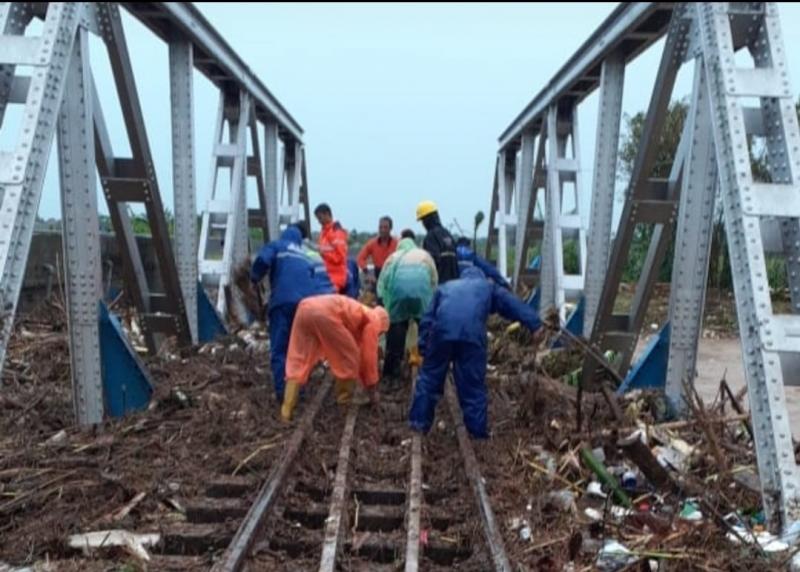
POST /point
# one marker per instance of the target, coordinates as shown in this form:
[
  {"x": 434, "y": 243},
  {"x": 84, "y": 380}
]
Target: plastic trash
[
  {"x": 59, "y": 437},
  {"x": 593, "y": 514},
  {"x": 548, "y": 461},
  {"x": 674, "y": 455},
  {"x": 563, "y": 500},
  {"x": 523, "y": 526},
  {"x": 614, "y": 511},
  {"x": 614, "y": 556},
  {"x": 768, "y": 541},
  {"x": 690, "y": 511},
  {"x": 595, "y": 489},
  {"x": 602, "y": 473},
  {"x": 599, "y": 454},
  {"x": 629, "y": 480}
]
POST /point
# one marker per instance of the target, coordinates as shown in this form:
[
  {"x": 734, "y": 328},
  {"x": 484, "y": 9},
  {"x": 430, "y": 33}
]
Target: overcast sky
[{"x": 399, "y": 103}]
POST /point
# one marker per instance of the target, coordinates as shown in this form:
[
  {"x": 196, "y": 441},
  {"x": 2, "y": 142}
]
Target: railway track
[{"x": 353, "y": 490}]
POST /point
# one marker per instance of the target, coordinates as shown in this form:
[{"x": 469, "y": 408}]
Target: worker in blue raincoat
[
  {"x": 453, "y": 331},
  {"x": 293, "y": 275},
  {"x": 467, "y": 258}
]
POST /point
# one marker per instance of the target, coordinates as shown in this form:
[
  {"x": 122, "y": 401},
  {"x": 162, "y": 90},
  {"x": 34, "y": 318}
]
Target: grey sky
[{"x": 399, "y": 102}]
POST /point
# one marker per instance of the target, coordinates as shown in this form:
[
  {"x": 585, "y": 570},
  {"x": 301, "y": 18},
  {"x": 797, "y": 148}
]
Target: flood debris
[
  {"x": 629, "y": 489},
  {"x": 136, "y": 544},
  {"x": 649, "y": 492},
  {"x": 211, "y": 415}
]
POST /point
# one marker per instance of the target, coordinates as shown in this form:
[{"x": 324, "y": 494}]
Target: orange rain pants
[{"x": 340, "y": 330}]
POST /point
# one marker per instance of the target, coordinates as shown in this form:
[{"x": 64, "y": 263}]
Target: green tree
[{"x": 667, "y": 146}]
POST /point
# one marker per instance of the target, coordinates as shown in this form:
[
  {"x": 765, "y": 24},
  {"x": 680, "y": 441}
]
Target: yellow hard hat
[{"x": 425, "y": 208}]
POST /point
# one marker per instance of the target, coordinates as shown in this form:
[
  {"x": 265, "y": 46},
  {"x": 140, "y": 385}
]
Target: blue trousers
[
  {"x": 280, "y": 328},
  {"x": 469, "y": 372}
]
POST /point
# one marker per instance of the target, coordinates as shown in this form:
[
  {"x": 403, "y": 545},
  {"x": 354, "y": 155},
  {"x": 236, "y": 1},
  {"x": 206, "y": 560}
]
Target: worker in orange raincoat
[
  {"x": 342, "y": 331},
  {"x": 332, "y": 247}
]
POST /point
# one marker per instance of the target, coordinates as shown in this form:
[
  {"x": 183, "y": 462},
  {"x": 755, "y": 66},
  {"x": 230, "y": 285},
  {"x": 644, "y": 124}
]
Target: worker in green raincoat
[{"x": 406, "y": 285}]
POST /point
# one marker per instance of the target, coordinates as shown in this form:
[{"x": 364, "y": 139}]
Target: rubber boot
[
  {"x": 343, "y": 389},
  {"x": 290, "y": 395},
  {"x": 414, "y": 357}
]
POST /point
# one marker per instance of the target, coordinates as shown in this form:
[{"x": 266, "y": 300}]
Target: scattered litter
[
  {"x": 59, "y": 437},
  {"x": 599, "y": 454},
  {"x": 616, "y": 512},
  {"x": 134, "y": 543},
  {"x": 690, "y": 511},
  {"x": 563, "y": 500},
  {"x": 614, "y": 556},
  {"x": 628, "y": 480},
  {"x": 766, "y": 540},
  {"x": 595, "y": 489},
  {"x": 605, "y": 477}
]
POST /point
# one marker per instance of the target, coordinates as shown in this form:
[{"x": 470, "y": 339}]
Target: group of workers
[{"x": 444, "y": 289}]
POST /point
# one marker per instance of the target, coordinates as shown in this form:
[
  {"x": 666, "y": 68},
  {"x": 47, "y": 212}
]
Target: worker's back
[
  {"x": 462, "y": 307},
  {"x": 322, "y": 281},
  {"x": 407, "y": 283},
  {"x": 440, "y": 245},
  {"x": 459, "y": 309},
  {"x": 291, "y": 270}
]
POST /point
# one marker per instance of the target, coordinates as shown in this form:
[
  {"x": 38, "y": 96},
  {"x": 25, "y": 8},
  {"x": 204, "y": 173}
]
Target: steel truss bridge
[{"x": 45, "y": 69}]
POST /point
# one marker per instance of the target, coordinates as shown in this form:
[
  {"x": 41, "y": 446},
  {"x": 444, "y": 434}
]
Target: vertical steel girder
[
  {"x": 272, "y": 179},
  {"x": 293, "y": 203},
  {"x": 294, "y": 168},
  {"x": 81, "y": 235},
  {"x": 562, "y": 140},
  {"x": 133, "y": 180},
  {"x": 692, "y": 245},
  {"x": 22, "y": 170},
  {"x": 609, "y": 115},
  {"x": 506, "y": 167},
  {"x": 769, "y": 341},
  {"x": 258, "y": 217},
  {"x": 527, "y": 191},
  {"x": 552, "y": 210},
  {"x": 523, "y": 205},
  {"x": 181, "y": 66}
]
